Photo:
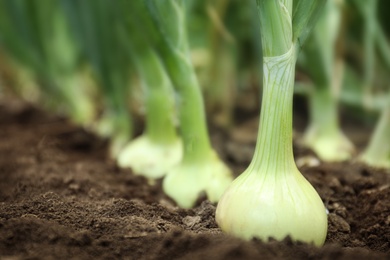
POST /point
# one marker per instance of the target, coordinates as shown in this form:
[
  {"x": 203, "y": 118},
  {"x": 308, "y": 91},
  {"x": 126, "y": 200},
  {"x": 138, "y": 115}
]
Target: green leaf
[
  {"x": 305, "y": 15},
  {"x": 275, "y": 26},
  {"x": 169, "y": 16},
  {"x": 383, "y": 45}
]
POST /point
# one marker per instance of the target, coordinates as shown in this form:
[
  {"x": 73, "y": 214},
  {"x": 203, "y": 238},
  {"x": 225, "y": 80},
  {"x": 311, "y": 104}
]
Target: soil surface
[{"x": 61, "y": 198}]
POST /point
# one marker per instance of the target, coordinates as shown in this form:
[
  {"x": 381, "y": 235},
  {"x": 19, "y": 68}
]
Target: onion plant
[
  {"x": 37, "y": 36},
  {"x": 323, "y": 134},
  {"x": 272, "y": 198},
  {"x": 369, "y": 13},
  {"x": 96, "y": 26},
  {"x": 155, "y": 152},
  {"x": 377, "y": 153},
  {"x": 223, "y": 55},
  {"x": 366, "y": 39},
  {"x": 220, "y": 85},
  {"x": 200, "y": 169}
]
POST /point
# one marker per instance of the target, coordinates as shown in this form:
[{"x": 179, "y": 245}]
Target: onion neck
[{"x": 274, "y": 153}]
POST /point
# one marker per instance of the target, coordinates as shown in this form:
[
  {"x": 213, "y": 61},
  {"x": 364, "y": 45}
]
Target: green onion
[
  {"x": 38, "y": 37},
  {"x": 272, "y": 198},
  {"x": 323, "y": 134},
  {"x": 200, "y": 169},
  {"x": 377, "y": 153},
  {"x": 368, "y": 11},
  {"x": 155, "y": 152},
  {"x": 221, "y": 69},
  {"x": 96, "y": 25}
]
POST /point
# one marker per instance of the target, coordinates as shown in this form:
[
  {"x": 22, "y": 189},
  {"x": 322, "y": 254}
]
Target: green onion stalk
[
  {"x": 18, "y": 56},
  {"x": 197, "y": 21},
  {"x": 221, "y": 77},
  {"x": 63, "y": 59},
  {"x": 96, "y": 25},
  {"x": 159, "y": 148},
  {"x": 324, "y": 134},
  {"x": 200, "y": 169},
  {"x": 352, "y": 93},
  {"x": 38, "y": 37},
  {"x": 362, "y": 93},
  {"x": 368, "y": 10},
  {"x": 271, "y": 198},
  {"x": 377, "y": 153}
]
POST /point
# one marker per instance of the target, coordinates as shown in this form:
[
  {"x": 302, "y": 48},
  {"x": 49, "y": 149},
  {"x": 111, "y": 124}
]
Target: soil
[{"x": 61, "y": 198}]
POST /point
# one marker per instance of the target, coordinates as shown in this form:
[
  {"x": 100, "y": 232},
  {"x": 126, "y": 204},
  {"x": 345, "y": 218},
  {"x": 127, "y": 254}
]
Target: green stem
[
  {"x": 117, "y": 103},
  {"x": 378, "y": 150},
  {"x": 192, "y": 116},
  {"x": 276, "y": 26},
  {"x": 369, "y": 37},
  {"x": 171, "y": 42},
  {"x": 381, "y": 135},
  {"x": 159, "y": 93},
  {"x": 221, "y": 69},
  {"x": 274, "y": 152},
  {"x": 160, "y": 116},
  {"x": 323, "y": 109},
  {"x": 160, "y": 126},
  {"x": 81, "y": 107},
  {"x": 382, "y": 44},
  {"x": 159, "y": 102}
]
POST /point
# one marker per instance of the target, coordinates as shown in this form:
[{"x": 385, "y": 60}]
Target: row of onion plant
[{"x": 122, "y": 46}]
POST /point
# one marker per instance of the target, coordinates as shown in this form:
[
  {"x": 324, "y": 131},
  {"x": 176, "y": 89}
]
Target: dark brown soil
[{"x": 61, "y": 198}]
